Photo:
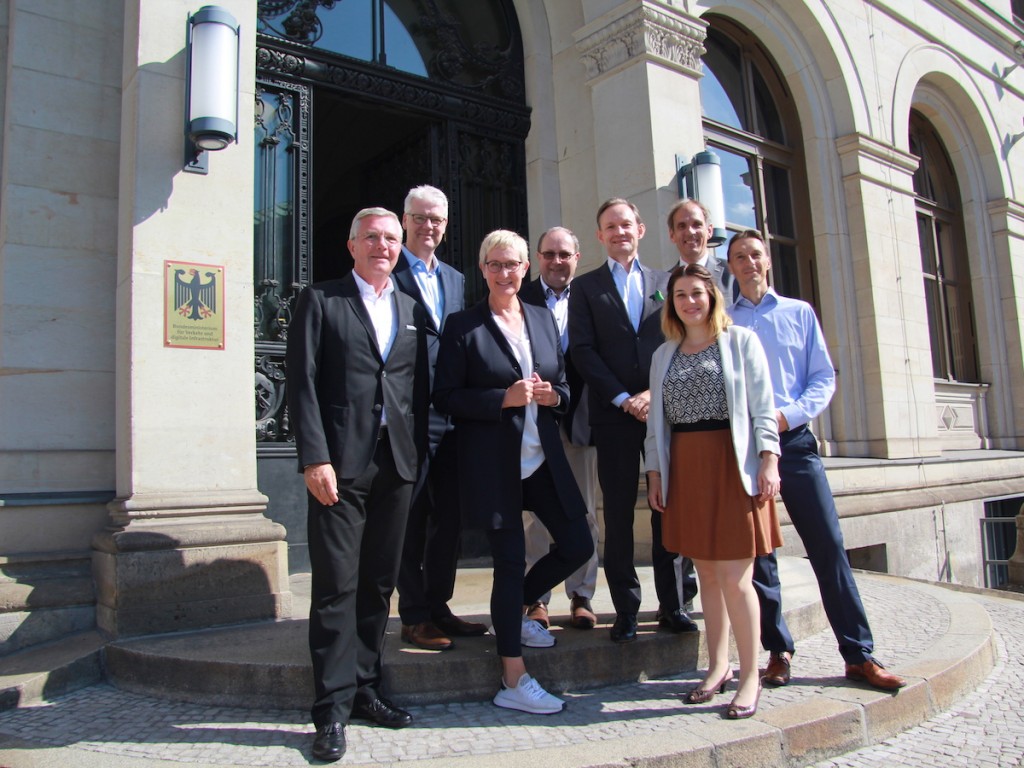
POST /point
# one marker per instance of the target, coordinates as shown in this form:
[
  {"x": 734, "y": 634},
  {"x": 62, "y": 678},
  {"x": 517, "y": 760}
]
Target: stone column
[
  {"x": 643, "y": 66},
  {"x": 187, "y": 543},
  {"x": 1002, "y": 359},
  {"x": 895, "y": 349}
]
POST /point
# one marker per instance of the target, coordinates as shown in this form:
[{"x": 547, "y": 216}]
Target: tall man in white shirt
[
  {"x": 558, "y": 254},
  {"x": 803, "y": 380},
  {"x": 357, "y": 396}
]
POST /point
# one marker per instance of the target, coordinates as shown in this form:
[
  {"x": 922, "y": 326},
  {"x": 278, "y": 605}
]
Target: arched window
[
  {"x": 749, "y": 122},
  {"x": 470, "y": 44},
  {"x": 947, "y": 280}
]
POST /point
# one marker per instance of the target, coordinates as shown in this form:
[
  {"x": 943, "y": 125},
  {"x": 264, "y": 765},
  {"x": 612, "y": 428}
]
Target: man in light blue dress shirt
[{"x": 803, "y": 380}]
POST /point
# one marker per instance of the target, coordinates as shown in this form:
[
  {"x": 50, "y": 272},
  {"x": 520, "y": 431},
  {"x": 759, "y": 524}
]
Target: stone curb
[
  {"x": 51, "y": 670},
  {"x": 844, "y": 718}
]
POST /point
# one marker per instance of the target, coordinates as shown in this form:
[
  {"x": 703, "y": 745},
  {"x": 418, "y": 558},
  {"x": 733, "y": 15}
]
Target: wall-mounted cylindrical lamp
[
  {"x": 701, "y": 179},
  {"x": 211, "y": 84}
]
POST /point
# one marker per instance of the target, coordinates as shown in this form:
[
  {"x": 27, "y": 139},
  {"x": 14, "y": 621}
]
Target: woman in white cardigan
[{"x": 712, "y": 469}]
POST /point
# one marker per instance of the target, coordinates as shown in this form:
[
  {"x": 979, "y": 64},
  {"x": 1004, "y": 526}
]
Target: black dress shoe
[
  {"x": 382, "y": 712},
  {"x": 624, "y": 628},
  {"x": 678, "y": 621},
  {"x": 329, "y": 744}
]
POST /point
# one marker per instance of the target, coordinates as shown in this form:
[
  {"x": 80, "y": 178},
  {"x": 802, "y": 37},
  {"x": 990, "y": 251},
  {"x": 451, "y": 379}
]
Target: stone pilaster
[
  {"x": 643, "y": 66},
  {"x": 895, "y": 352},
  {"x": 187, "y": 544},
  {"x": 1002, "y": 364}
]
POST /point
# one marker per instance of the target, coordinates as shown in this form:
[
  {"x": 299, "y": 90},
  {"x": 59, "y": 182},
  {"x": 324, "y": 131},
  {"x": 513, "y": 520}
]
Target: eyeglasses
[
  {"x": 420, "y": 219},
  {"x": 497, "y": 267},
  {"x": 559, "y": 255}
]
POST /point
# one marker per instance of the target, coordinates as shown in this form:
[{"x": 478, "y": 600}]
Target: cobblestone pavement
[{"x": 986, "y": 729}]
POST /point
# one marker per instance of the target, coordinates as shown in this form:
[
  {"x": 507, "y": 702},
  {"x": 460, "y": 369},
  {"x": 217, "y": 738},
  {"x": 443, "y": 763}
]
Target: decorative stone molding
[
  {"x": 1007, "y": 217},
  {"x": 962, "y": 418},
  {"x": 642, "y": 30},
  {"x": 863, "y": 157},
  {"x": 394, "y": 86}
]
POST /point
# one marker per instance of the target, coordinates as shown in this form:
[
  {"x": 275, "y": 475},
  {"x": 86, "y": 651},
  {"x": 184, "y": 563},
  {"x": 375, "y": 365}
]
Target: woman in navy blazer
[
  {"x": 712, "y": 469},
  {"x": 501, "y": 376}
]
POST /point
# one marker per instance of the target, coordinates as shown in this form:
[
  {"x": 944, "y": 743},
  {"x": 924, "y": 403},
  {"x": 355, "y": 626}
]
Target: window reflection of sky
[
  {"x": 739, "y": 197},
  {"x": 348, "y": 29},
  {"x": 715, "y": 102}
]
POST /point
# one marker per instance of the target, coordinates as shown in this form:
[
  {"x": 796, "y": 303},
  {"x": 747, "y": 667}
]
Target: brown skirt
[{"x": 708, "y": 514}]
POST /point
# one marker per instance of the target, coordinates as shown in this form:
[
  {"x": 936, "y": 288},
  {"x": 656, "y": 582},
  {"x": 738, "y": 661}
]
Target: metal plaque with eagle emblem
[{"x": 193, "y": 305}]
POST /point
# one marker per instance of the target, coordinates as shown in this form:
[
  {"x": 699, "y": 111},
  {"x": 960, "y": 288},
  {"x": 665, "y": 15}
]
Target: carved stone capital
[{"x": 642, "y": 30}]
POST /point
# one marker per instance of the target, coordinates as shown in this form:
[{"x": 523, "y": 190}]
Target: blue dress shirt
[
  {"x": 558, "y": 303},
  {"x": 631, "y": 289},
  {"x": 802, "y": 373},
  {"x": 429, "y": 282}
]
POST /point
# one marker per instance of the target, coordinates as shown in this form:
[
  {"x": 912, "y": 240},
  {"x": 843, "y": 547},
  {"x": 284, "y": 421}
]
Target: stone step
[
  {"x": 941, "y": 638},
  {"x": 43, "y": 599},
  {"x": 267, "y": 665},
  {"x": 44, "y": 672}
]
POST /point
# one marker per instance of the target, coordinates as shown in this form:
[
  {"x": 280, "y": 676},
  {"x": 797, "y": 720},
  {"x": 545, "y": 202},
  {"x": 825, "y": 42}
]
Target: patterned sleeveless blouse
[{"x": 694, "y": 388}]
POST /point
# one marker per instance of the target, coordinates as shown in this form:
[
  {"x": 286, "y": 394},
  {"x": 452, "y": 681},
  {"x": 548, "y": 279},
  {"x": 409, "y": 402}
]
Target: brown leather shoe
[
  {"x": 582, "y": 615},
  {"x": 539, "y": 612},
  {"x": 427, "y": 636},
  {"x": 777, "y": 671},
  {"x": 453, "y": 625},
  {"x": 874, "y": 674}
]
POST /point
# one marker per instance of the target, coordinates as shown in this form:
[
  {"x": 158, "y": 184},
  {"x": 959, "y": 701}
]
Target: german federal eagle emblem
[{"x": 194, "y": 299}]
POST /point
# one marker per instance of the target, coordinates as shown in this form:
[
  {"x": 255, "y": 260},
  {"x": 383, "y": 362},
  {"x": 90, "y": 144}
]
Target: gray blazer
[
  {"x": 723, "y": 278},
  {"x": 748, "y": 395}
]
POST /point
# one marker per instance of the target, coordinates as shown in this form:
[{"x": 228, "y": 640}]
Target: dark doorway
[
  {"x": 335, "y": 134},
  {"x": 367, "y": 155}
]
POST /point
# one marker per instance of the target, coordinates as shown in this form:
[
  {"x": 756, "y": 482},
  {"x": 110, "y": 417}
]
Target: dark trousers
[
  {"x": 354, "y": 551},
  {"x": 513, "y": 587},
  {"x": 430, "y": 554},
  {"x": 808, "y": 498},
  {"x": 620, "y": 448}
]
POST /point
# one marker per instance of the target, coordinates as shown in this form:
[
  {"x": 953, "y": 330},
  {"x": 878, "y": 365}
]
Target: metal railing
[{"x": 993, "y": 543}]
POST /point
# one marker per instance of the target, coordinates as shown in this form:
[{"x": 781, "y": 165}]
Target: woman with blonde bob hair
[
  {"x": 501, "y": 375},
  {"x": 712, "y": 454}
]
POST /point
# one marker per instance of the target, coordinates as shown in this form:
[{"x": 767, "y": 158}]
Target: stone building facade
[{"x": 875, "y": 144}]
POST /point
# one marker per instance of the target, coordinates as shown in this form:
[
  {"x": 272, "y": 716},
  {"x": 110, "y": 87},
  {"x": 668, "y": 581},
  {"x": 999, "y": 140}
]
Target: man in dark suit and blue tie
[
  {"x": 426, "y": 580},
  {"x": 357, "y": 397},
  {"x": 614, "y": 328}
]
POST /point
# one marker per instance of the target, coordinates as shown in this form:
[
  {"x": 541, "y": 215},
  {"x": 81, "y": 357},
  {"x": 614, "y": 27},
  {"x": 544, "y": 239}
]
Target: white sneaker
[
  {"x": 533, "y": 635},
  {"x": 528, "y": 696}
]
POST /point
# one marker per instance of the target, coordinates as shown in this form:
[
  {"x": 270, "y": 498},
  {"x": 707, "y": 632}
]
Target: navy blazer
[
  {"x": 338, "y": 383},
  {"x": 453, "y": 287},
  {"x": 611, "y": 356},
  {"x": 475, "y": 366},
  {"x": 576, "y": 421}
]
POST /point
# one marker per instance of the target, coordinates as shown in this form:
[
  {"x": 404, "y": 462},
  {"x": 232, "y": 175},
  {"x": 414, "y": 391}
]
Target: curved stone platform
[
  {"x": 940, "y": 639},
  {"x": 267, "y": 665}
]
